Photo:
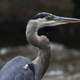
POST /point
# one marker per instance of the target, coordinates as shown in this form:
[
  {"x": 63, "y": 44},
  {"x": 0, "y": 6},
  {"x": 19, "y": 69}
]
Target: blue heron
[{"x": 21, "y": 68}]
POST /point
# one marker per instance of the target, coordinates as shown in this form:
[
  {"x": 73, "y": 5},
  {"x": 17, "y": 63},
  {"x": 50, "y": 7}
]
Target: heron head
[{"x": 47, "y": 19}]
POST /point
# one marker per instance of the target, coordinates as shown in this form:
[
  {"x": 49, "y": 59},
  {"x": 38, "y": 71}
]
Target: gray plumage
[{"x": 13, "y": 70}]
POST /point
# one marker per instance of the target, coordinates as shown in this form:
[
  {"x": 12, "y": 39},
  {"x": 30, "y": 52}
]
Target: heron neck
[
  {"x": 33, "y": 38},
  {"x": 41, "y": 63}
]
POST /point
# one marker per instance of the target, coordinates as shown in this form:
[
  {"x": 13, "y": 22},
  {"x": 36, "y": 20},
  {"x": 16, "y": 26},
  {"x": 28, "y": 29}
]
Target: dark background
[{"x": 14, "y": 15}]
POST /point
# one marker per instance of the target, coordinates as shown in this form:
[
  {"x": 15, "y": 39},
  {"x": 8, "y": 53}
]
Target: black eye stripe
[{"x": 41, "y": 15}]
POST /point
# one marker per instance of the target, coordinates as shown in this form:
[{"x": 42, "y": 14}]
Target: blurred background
[{"x": 65, "y": 39}]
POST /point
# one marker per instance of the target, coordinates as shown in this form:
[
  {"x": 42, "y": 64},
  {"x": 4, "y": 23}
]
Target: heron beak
[{"x": 58, "y": 19}]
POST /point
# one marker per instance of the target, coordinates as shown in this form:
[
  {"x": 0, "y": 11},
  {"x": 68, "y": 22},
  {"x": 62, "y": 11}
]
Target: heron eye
[{"x": 48, "y": 17}]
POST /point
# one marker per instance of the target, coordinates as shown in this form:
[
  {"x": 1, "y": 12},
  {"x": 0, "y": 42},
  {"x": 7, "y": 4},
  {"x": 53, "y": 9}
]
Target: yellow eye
[{"x": 48, "y": 17}]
